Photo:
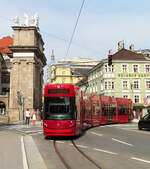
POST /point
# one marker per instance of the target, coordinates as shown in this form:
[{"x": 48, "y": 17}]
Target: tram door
[
  {"x": 129, "y": 113},
  {"x": 109, "y": 113},
  {"x": 95, "y": 114}
]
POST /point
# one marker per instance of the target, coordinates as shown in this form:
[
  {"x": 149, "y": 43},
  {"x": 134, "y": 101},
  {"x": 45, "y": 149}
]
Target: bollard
[{"x": 7, "y": 119}]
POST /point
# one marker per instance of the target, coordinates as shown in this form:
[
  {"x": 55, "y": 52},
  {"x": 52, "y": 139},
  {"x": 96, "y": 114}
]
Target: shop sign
[{"x": 133, "y": 75}]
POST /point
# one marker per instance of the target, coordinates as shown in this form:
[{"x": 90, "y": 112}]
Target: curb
[{"x": 34, "y": 159}]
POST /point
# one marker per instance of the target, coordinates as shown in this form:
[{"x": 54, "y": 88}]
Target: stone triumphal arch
[{"x": 26, "y": 75}]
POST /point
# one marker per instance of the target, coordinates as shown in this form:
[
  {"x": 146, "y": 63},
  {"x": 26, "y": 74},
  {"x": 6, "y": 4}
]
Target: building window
[
  {"x": 136, "y": 99},
  {"x": 113, "y": 86},
  {"x": 135, "y": 68},
  {"x": 147, "y": 68},
  {"x": 125, "y": 84},
  {"x": 63, "y": 80},
  {"x": 125, "y": 96},
  {"x": 136, "y": 84},
  {"x": 109, "y": 85},
  {"x": 63, "y": 72},
  {"x": 5, "y": 77},
  {"x": 124, "y": 68},
  {"x": 105, "y": 85},
  {"x": 105, "y": 68},
  {"x": 108, "y": 68},
  {"x": 148, "y": 84}
]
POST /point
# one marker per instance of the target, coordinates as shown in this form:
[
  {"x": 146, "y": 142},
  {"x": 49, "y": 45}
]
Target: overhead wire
[{"x": 75, "y": 28}]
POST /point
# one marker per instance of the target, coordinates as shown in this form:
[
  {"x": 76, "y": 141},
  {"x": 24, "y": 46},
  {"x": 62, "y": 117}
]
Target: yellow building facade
[
  {"x": 68, "y": 70},
  {"x": 63, "y": 74}
]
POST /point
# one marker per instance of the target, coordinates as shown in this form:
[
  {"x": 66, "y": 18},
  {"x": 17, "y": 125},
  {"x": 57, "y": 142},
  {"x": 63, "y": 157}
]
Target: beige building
[
  {"x": 5, "y": 57},
  {"x": 69, "y": 70}
]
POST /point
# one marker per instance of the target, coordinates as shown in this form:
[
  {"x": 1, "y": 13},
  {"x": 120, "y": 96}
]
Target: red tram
[{"x": 67, "y": 111}]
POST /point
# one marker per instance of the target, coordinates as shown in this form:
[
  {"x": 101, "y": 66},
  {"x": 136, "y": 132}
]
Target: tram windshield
[{"x": 60, "y": 108}]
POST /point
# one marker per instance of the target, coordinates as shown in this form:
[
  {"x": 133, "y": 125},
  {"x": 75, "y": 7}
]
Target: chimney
[
  {"x": 120, "y": 45},
  {"x": 131, "y": 47}
]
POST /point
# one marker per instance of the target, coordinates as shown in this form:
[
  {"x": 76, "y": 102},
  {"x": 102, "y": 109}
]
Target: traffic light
[{"x": 109, "y": 60}]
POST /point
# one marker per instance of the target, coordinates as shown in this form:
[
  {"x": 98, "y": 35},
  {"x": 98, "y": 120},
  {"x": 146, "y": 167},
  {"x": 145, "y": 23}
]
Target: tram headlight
[
  {"x": 45, "y": 125},
  {"x": 72, "y": 124}
]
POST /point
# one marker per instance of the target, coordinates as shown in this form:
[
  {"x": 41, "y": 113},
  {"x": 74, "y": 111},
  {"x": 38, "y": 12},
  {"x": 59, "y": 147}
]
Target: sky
[{"x": 102, "y": 24}]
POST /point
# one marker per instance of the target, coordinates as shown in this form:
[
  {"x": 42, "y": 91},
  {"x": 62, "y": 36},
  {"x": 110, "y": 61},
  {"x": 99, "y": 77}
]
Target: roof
[
  {"x": 4, "y": 43},
  {"x": 125, "y": 54}
]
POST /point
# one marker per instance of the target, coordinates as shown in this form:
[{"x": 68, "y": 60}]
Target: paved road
[{"x": 118, "y": 146}]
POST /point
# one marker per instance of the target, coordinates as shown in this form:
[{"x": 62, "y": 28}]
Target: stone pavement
[
  {"x": 30, "y": 157},
  {"x": 24, "y": 153}
]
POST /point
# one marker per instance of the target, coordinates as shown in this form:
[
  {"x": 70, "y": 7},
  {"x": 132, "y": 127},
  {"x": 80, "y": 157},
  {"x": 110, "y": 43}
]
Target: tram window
[
  {"x": 122, "y": 110},
  {"x": 104, "y": 110},
  {"x": 113, "y": 109},
  {"x": 88, "y": 110},
  {"x": 96, "y": 109}
]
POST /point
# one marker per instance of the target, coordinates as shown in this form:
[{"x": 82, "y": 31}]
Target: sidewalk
[{"x": 32, "y": 158}]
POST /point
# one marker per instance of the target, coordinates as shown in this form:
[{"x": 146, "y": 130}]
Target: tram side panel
[
  {"x": 95, "y": 110},
  {"x": 124, "y": 110}
]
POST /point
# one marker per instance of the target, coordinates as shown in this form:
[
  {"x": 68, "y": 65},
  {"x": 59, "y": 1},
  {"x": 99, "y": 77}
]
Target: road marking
[
  {"x": 97, "y": 134},
  {"x": 61, "y": 142},
  {"x": 81, "y": 146},
  {"x": 122, "y": 142},
  {"x": 121, "y": 125},
  {"x": 129, "y": 128},
  {"x": 139, "y": 159},
  {"x": 24, "y": 157},
  {"x": 105, "y": 151},
  {"x": 138, "y": 131}
]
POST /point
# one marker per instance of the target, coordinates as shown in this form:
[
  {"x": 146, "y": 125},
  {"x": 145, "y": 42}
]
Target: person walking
[
  {"x": 34, "y": 118},
  {"x": 27, "y": 116},
  {"x": 38, "y": 114}
]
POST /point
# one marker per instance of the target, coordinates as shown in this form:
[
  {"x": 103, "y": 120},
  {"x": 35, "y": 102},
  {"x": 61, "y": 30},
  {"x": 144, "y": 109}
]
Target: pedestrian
[
  {"x": 134, "y": 114},
  {"x": 34, "y": 118},
  {"x": 27, "y": 116},
  {"x": 38, "y": 114}
]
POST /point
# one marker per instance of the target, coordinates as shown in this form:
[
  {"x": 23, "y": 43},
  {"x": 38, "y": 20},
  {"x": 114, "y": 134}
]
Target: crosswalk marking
[{"x": 29, "y": 130}]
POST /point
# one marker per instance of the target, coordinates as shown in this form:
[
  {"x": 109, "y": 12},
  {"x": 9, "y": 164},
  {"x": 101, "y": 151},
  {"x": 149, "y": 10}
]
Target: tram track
[{"x": 64, "y": 161}]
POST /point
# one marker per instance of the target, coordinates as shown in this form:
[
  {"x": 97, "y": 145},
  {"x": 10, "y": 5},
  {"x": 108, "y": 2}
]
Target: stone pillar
[{"x": 26, "y": 70}]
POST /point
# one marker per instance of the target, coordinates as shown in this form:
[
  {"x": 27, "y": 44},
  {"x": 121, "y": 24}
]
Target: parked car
[{"x": 144, "y": 122}]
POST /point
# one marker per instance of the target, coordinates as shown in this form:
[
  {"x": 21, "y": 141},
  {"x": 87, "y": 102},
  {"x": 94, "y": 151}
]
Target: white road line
[
  {"x": 97, "y": 134},
  {"x": 105, "y": 151},
  {"x": 78, "y": 145},
  {"x": 122, "y": 142},
  {"x": 129, "y": 128},
  {"x": 139, "y": 159},
  {"x": 138, "y": 131},
  {"x": 60, "y": 142},
  {"x": 24, "y": 158},
  {"x": 122, "y": 125},
  {"x": 30, "y": 131},
  {"x": 81, "y": 146}
]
